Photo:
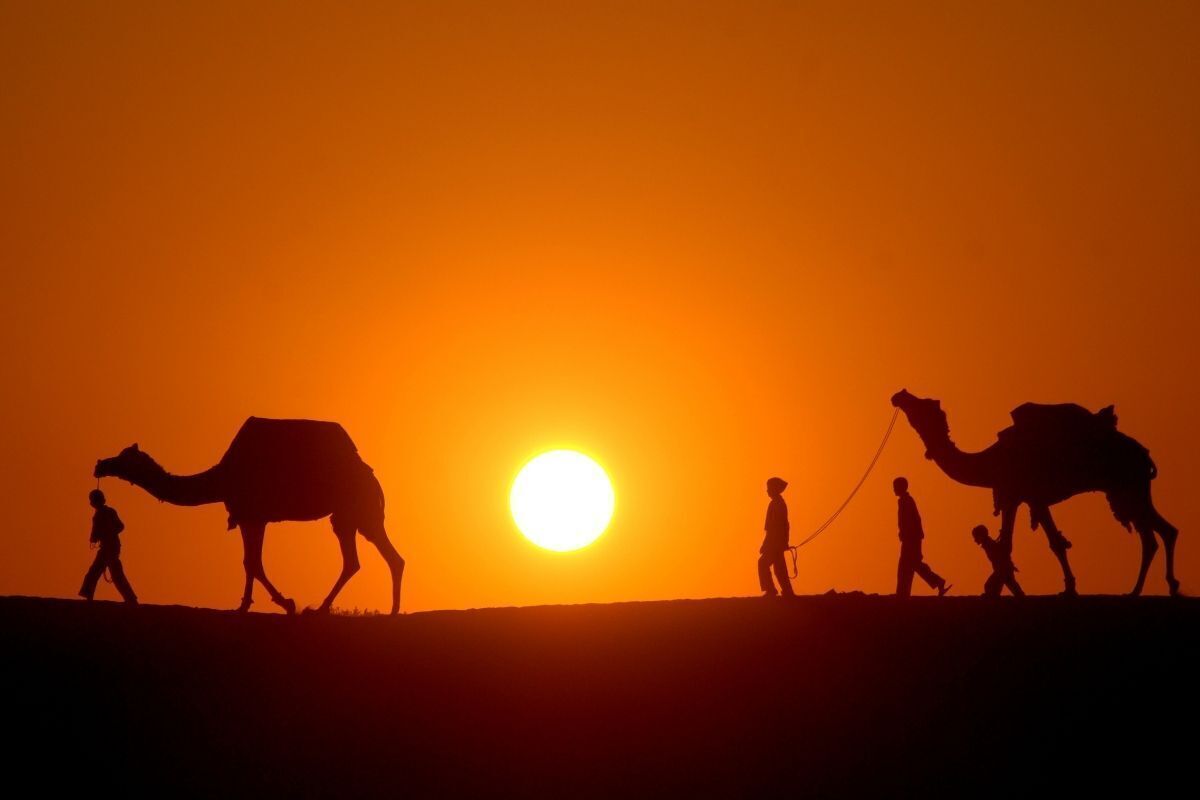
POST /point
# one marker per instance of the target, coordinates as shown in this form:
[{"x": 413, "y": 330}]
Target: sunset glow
[{"x": 703, "y": 243}]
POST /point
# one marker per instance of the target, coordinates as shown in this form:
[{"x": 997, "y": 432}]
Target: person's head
[
  {"x": 96, "y": 498},
  {"x": 900, "y": 486},
  {"x": 775, "y": 486},
  {"x": 979, "y": 533}
]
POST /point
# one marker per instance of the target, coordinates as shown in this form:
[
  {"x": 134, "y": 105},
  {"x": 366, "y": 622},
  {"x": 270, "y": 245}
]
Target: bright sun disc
[{"x": 561, "y": 500}]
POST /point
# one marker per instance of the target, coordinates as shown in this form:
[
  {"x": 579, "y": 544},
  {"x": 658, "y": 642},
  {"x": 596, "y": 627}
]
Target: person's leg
[
  {"x": 764, "y": 574},
  {"x": 992, "y": 586},
  {"x": 927, "y": 574},
  {"x": 88, "y": 589},
  {"x": 904, "y": 572},
  {"x": 1014, "y": 587},
  {"x": 781, "y": 575},
  {"x": 934, "y": 580},
  {"x": 120, "y": 581}
]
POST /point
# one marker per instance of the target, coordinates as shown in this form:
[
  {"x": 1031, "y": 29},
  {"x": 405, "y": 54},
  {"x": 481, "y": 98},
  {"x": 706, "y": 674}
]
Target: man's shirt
[
  {"x": 909, "y": 520},
  {"x": 776, "y": 526},
  {"x": 106, "y": 525},
  {"x": 777, "y": 518}
]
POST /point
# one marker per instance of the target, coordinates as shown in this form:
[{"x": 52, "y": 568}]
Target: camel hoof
[
  {"x": 288, "y": 605},
  {"x": 1174, "y": 586},
  {"x": 316, "y": 612},
  {"x": 244, "y": 607},
  {"x": 1068, "y": 592}
]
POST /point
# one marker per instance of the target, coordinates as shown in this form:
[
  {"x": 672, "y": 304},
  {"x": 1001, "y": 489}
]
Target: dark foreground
[{"x": 836, "y": 695}]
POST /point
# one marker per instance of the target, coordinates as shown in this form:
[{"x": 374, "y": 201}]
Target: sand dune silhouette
[{"x": 739, "y": 697}]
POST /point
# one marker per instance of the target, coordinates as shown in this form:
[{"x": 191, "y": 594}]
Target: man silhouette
[
  {"x": 911, "y": 534},
  {"x": 775, "y": 543},
  {"x": 1002, "y": 564},
  {"x": 106, "y": 530}
]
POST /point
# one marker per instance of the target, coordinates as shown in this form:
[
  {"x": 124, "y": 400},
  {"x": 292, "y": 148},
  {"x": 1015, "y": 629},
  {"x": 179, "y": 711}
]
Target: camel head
[
  {"x": 926, "y": 417},
  {"x": 131, "y": 464}
]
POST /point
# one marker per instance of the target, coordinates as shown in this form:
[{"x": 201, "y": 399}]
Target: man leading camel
[
  {"x": 911, "y": 534},
  {"x": 775, "y": 543},
  {"x": 106, "y": 532}
]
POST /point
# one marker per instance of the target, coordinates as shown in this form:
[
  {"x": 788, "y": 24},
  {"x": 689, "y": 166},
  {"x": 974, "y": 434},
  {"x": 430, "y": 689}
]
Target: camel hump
[
  {"x": 1063, "y": 418},
  {"x": 291, "y": 441}
]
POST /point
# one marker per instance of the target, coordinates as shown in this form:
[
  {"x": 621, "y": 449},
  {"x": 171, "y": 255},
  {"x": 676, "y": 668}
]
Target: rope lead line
[{"x": 821, "y": 529}]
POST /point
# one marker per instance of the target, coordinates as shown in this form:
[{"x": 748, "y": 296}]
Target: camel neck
[
  {"x": 184, "y": 490},
  {"x": 972, "y": 469}
]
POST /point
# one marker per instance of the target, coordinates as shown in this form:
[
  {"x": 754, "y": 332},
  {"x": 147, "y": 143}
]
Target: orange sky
[{"x": 703, "y": 243}]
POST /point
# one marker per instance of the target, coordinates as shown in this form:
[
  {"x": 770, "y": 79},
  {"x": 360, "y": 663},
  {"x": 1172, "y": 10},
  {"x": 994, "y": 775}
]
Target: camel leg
[
  {"x": 376, "y": 535},
  {"x": 1008, "y": 520},
  {"x": 247, "y": 561},
  {"x": 1058, "y": 546},
  {"x": 1149, "y": 547},
  {"x": 248, "y": 594},
  {"x": 253, "y": 534},
  {"x": 1168, "y": 533},
  {"x": 350, "y": 563}
]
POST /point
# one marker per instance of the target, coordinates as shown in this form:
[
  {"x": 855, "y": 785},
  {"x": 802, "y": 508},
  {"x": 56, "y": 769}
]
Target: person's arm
[
  {"x": 777, "y": 519},
  {"x": 773, "y": 526},
  {"x": 908, "y": 511},
  {"x": 912, "y": 518}
]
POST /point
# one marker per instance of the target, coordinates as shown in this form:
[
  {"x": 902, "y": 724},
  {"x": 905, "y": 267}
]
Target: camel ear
[{"x": 134, "y": 448}]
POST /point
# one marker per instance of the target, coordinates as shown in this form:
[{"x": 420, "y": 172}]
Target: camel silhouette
[
  {"x": 1049, "y": 454},
  {"x": 277, "y": 470}
]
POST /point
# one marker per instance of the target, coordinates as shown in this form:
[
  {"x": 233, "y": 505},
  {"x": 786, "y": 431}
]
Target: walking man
[
  {"x": 775, "y": 543},
  {"x": 106, "y": 530},
  {"x": 911, "y": 533}
]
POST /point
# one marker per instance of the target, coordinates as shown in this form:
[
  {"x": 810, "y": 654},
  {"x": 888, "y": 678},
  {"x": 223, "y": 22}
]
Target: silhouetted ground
[{"x": 834, "y": 695}]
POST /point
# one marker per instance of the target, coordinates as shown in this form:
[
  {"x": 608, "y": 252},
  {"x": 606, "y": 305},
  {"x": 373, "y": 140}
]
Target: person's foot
[
  {"x": 86, "y": 596},
  {"x": 945, "y": 587}
]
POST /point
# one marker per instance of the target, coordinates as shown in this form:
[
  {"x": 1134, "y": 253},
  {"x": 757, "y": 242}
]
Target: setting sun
[{"x": 562, "y": 500}]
